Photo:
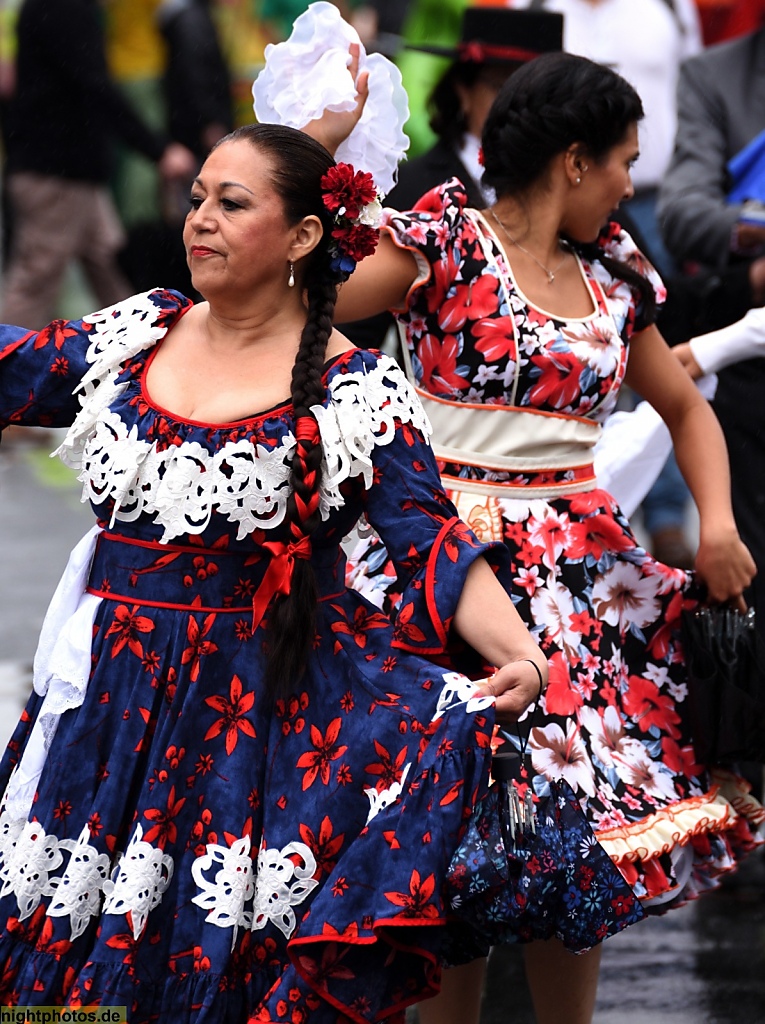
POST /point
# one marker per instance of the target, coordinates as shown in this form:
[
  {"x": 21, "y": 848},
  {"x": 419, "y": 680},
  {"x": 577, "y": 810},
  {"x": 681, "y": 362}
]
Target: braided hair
[
  {"x": 298, "y": 165},
  {"x": 549, "y": 104}
]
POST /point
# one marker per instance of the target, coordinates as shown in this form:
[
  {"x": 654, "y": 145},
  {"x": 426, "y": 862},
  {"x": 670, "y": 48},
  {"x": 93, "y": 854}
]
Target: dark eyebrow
[
  {"x": 236, "y": 184},
  {"x": 225, "y": 184}
]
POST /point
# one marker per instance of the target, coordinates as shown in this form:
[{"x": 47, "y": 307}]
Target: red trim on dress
[
  {"x": 410, "y": 922},
  {"x": 111, "y": 595}
]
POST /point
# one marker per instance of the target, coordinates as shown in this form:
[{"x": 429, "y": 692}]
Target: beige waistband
[{"x": 507, "y": 438}]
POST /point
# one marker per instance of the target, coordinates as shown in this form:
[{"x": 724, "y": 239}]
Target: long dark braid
[
  {"x": 549, "y": 104},
  {"x": 293, "y": 619},
  {"x": 298, "y": 165}
]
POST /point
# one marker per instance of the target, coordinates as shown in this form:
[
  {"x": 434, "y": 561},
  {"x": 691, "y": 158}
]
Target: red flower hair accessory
[{"x": 352, "y": 199}]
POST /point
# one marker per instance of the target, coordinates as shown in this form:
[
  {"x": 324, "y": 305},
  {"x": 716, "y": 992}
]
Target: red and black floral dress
[
  {"x": 516, "y": 397},
  {"x": 169, "y": 840}
]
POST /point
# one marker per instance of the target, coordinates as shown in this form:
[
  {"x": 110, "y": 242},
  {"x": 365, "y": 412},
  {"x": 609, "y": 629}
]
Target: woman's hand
[
  {"x": 334, "y": 127},
  {"x": 515, "y": 686},
  {"x": 725, "y": 566},
  {"x": 685, "y": 357}
]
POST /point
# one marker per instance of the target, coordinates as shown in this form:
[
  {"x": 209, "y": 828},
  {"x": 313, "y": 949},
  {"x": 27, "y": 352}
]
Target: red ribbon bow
[{"x": 278, "y": 577}]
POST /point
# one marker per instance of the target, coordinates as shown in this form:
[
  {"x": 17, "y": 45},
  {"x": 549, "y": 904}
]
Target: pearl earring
[
  {"x": 291, "y": 278},
  {"x": 579, "y": 181}
]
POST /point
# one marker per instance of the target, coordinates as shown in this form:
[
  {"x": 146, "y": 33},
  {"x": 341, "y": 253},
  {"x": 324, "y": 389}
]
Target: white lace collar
[{"x": 180, "y": 486}]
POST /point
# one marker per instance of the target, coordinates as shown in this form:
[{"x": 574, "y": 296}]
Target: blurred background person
[
  {"x": 492, "y": 44},
  {"x": 432, "y": 23},
  {"x": 62, "y": 118},
  {"x": 721, "y": 109},
  {"x": 197, "y": 85},
  {"x": 198, "y": 111},
  {"x": 379, "y": 24}
]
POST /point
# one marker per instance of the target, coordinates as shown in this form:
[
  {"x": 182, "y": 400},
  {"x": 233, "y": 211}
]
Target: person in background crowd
[
  {"x": 136, "y": 56},
  {"x": 519, "y": 320},
  {"x": 197, "y": 98},
  {"x": 493, "y": 43},
  {"x": 62, "y": 120},
  {"x": 721, "y": 109},
  {"x": 197, "y": 85},
  {"x": 429, "y": 23},
  {"x": 380, "y": 23}
]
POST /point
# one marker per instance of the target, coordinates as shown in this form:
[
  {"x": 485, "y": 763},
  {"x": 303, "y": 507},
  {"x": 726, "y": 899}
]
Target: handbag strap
[{"x": 509, "y": 764}]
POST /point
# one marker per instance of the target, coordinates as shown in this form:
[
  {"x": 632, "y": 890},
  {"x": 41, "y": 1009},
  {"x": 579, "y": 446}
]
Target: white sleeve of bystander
[
  {"x": 743, "y": 340},
  {"x": 633, "y": 449}
]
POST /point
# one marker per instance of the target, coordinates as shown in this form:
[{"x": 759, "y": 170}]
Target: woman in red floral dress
[{"x": 521, "y": 322}]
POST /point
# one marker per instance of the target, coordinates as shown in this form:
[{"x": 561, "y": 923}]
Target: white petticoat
[
  {"x": 61, "y": 671},
  {"x": 307, "y": 74}
]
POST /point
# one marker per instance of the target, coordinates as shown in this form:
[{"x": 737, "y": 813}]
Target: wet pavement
[{"x": 702, "y": 964}]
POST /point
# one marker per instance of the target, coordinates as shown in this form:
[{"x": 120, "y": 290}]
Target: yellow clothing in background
[{"x": 135, "y": 48}]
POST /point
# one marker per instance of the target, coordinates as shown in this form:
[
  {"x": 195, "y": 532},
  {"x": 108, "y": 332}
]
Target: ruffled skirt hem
[{"x": 682, "y": 850}]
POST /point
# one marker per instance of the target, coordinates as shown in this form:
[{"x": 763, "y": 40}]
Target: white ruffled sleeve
[
  {"x": 745, "y": 339},
  {"x": 307, "y": 75}
]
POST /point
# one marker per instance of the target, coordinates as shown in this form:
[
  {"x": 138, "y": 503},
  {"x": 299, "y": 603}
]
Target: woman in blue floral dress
[
  {"x": 520, "y": 323},
  {"x": 237, "y": 787}
]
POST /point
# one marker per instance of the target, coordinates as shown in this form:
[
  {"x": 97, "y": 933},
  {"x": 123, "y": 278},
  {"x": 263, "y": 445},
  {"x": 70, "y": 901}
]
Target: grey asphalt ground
[{"x": 702, "y": 964}]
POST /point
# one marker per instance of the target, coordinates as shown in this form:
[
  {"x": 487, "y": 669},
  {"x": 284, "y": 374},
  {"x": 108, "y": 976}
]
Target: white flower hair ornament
[{"x": 308, "y": 74}]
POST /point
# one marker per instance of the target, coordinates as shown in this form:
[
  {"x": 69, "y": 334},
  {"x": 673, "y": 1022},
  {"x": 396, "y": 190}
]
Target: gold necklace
[{"x": 550, "y": 273}]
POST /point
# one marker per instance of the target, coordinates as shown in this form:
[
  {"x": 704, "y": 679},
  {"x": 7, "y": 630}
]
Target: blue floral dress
[
  {"x": 605, "y": 613},
  {"x": 169, "y": 841}
]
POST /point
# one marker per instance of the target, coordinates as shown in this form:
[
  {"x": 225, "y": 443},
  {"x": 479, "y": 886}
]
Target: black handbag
[{"x": 726, "y": 685}]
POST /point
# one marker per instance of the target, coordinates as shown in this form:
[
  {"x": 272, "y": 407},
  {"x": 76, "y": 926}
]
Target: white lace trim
[
  {"x": 245, "y": 482},
  {"x": 140, "y": 880},
  {"x": 239, "y": 894},
  {"x": 281, "y": 885},
  {"x": 459, "y": 690},
  {"x": 77, "y": 893},
  {"x": 379, "y": 799},
  {"x": 29, "y": 856},
  {"x": 232, "y": 887},
  {"x": 274, "y": 887},
  {"x": 361, "y": 415}
]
